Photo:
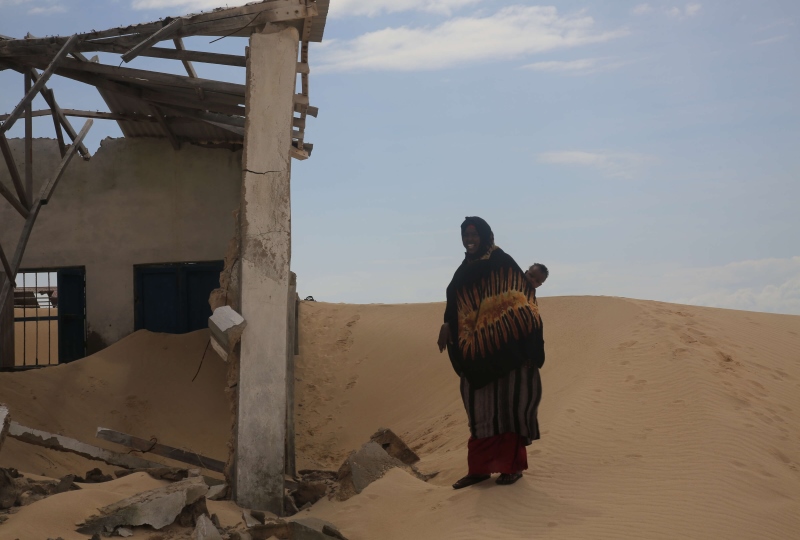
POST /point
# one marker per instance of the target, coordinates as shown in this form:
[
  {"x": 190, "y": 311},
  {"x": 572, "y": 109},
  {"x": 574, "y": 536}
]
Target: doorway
[{"x": 173, "y": 297}]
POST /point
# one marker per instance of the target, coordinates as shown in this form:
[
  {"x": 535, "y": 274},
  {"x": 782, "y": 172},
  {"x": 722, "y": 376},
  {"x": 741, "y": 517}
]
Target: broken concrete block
[
  {"x": 226, "y": 330},
  {"x": 123, "y": 532},
  {"x": 5, "y": 418},
  {"x": 205, "y": 530},
  {"x": 249, "y": 520},
  {"x": 157, "y": 507},
  {"x": 363, "y": 467},
  {"x": 218, "y": 492},
  {"x": 96, "y": 476},
  {"x": 394, "y": 446}
]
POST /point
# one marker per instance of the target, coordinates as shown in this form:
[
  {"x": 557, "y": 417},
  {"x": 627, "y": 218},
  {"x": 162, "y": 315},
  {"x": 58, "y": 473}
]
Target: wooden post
[
  {"x": 7, "y": 331},
  {"x": 28, "y": 144},
  {"x": 291, "y": 332},
  {"x": 265, "y": 224}
]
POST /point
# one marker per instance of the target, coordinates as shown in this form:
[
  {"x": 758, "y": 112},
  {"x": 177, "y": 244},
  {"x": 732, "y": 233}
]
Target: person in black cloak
[{"x": 493, "y": 335}]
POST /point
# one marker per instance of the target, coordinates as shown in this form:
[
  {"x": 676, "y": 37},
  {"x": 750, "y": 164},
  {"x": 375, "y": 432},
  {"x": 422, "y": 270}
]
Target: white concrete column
[{"x": 265, "y": 256}]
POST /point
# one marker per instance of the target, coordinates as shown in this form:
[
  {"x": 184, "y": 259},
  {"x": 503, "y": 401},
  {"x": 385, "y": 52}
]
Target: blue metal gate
[{"x": 173, "y": 297}]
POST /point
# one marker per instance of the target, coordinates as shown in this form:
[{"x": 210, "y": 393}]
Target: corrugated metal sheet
[
  {"x": 318, "y": 22},
  {"x": 185, "y": 129}
]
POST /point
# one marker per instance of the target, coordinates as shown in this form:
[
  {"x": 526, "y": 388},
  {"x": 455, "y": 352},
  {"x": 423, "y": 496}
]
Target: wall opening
[
  {"x": 173, "y": 297},
  {"x": 49, "y": 316}
]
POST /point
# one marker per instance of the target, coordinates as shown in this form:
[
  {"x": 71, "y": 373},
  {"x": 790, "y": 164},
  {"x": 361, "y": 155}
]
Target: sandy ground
[
  {"x": 658, "y": 421},
  {"x": 32, "y": 339}
]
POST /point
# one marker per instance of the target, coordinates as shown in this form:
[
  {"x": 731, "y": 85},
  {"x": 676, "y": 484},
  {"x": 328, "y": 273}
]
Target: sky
[{"x": 644, "y": 150}]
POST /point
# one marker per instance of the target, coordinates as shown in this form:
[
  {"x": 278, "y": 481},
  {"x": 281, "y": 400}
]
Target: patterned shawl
[{"x": 493, "y": 317}]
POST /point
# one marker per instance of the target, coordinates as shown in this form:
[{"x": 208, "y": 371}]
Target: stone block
[
  {"x": 205, "y": 530},
  {"x": 363, "y": 467},
  {"x": 157, "y": 507},
  {"x": 226, "y": 330},
  {"x": 218, "y": 492},
  {"x": 394, "y": 446}
]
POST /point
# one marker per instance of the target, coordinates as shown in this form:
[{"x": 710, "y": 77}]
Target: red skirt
[{"x": 504, "y": 454}]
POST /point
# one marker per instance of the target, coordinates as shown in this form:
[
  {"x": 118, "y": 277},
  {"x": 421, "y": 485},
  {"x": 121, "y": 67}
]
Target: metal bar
[
  {"x": 39, "y": 84},
  {"x": 31, "y": 319},
  {"x": 160, "y": 449},
  {"x": 28, "y": 144},
  {"x": 12, "y": 169},
  {"x": 24, "y": 327},
  {"x": 49, "y": 324},
  {"x": 166, "y": 32}
]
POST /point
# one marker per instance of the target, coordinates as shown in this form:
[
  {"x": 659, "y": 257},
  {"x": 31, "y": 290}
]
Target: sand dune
[{"x": 658, "y": 420}]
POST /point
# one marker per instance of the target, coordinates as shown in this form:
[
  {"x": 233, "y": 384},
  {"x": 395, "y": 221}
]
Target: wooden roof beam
[
  {"x": 16, "y": 179},
  {"x": 39, "y": 84},
  {"x": 166, "y": 32}
]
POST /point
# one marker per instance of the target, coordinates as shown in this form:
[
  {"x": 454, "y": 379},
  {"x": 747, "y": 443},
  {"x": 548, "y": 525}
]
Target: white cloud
[
  {"x": 511, "y": 32},
  {"x": 642, "y": 9},
  {"x": 583, "y": 66},
  {"x": 770, "y": 285},
  {"x": 614, "y": 164},
  {"x": 371, "y": 8},
  {"x": 194, "y": 5},
  {"x": 771, "y": 40},
  {"x": 49, "y": 10},
  {"x": 690, "y": 10}
]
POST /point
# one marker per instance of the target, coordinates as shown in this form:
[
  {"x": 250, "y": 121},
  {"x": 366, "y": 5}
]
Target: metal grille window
[{"x": 49, "y": 317}]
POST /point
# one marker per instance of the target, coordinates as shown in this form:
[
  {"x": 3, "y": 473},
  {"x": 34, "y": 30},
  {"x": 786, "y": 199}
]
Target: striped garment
[{"x": 509, "y": 404}]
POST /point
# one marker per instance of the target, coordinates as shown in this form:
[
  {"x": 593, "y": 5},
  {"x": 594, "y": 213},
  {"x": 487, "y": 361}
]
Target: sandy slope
[
  {"x": 142, "y": 385},
  {"x": 658, "y": 420}
]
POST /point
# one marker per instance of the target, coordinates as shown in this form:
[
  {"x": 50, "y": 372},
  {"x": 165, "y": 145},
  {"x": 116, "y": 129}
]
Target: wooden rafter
[
  {"x": 44, "y": 197},
  {"x": 50, "y": 99},
  {"x": 166, "y": 32},
  {"x": 39, "y": 84},
  {"x": 28, "y": 144},
  {"x": 13, "y": 170}
]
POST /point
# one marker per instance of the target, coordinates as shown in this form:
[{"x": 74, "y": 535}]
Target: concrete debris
[
  {"x": 249, "y": 519},
  {"x": 218, "y": 492},
  {"x": 66, "y": 444},
  {"x": 172, "y": 474},
  {"x": 96, "y": 476},
  {"x": 5, "y": 419},
  {"x": 158, "y": 507},
  {"x": 394, "y": 446},
  {"x": 226, "y": 330},
  {"x": 16, "y": 490},
  {"x": 123, "y": 532},
  {"x": 300, "y": 529},
  {"x": 363, "y": 467},
  {"x": 308, "y": 493},
  {"x": 205, "y": 530}
]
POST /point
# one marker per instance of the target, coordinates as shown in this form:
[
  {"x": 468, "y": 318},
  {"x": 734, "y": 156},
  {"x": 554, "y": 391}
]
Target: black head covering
[{"x": 484, "y": 232}]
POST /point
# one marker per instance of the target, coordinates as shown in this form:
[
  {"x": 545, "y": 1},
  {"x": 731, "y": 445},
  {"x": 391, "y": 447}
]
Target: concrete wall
[{"x": 137, "y": 201}]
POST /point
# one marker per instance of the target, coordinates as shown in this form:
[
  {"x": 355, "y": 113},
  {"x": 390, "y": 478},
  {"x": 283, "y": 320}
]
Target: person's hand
[{"x": 444, "y": 337}]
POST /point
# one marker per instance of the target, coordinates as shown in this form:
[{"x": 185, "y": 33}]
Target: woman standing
[{"x": 493, "y": 335}]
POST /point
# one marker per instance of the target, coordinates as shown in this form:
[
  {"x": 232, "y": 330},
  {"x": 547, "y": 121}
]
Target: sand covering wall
[{"x": 658, "y": 420}]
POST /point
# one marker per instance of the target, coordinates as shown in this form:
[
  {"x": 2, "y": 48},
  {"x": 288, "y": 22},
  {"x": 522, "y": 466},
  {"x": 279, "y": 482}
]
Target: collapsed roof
[{"x": 182, "y": 108}]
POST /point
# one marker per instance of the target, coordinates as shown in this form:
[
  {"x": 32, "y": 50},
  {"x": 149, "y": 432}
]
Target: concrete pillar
[{"x": 265, "y": 256}]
